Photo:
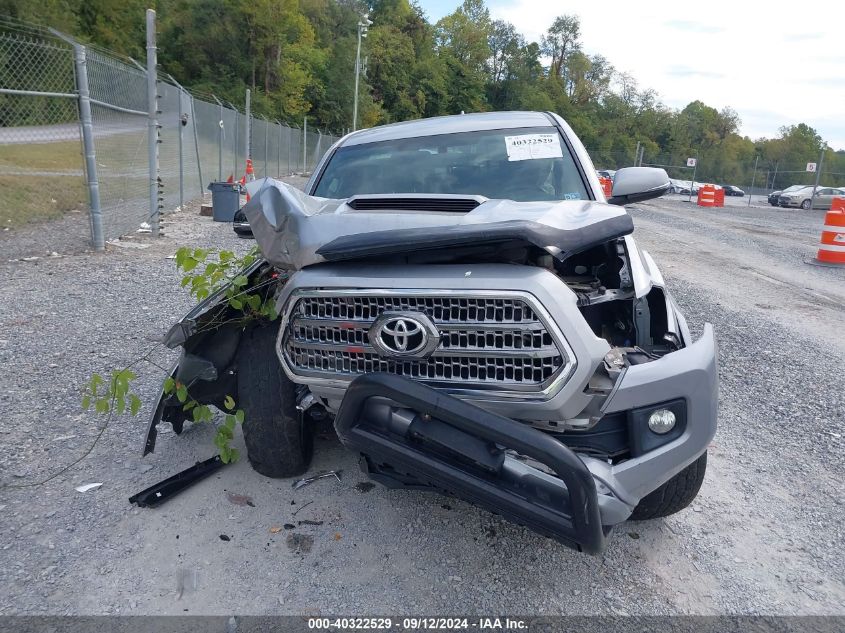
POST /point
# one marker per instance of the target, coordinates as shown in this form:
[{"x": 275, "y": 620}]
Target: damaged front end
[
  {"x": 209, "y": 336},
  {"x": 449, "y": 445}
]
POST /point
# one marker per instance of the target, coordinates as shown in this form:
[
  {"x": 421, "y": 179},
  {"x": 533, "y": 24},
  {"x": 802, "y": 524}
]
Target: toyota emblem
[{"x": 405, "y": 334}]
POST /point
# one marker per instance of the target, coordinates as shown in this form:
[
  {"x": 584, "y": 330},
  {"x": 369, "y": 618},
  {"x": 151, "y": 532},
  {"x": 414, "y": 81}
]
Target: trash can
[{"x": 225, "y": 200}]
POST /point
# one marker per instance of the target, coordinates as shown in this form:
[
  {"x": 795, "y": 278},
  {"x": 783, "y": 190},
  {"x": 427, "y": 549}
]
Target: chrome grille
[{"x": 486, "y": 342}]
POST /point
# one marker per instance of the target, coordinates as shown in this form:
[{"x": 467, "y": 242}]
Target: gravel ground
[{"x": 765, "y": 536}]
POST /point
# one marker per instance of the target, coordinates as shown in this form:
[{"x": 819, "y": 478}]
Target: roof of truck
[{"x": 449, "y": 125}]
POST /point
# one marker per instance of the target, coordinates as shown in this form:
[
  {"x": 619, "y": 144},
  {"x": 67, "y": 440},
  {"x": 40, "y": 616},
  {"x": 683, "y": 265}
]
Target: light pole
[{"x": 363, "y": 26}]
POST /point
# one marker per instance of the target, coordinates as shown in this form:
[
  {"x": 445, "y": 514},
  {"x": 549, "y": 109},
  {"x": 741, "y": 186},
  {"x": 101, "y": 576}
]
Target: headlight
[{"x": 661, "y": 421}]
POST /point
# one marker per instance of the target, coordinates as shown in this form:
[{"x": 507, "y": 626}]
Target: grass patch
[
  {"x": 28, "y": 199},
  {"x": 61, "y": 156}
]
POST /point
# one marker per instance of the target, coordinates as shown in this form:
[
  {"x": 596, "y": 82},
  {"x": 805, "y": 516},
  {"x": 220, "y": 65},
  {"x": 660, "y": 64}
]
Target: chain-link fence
[
  {"x": 75, "y": 166},
  {"x": 755, "y": 177}
]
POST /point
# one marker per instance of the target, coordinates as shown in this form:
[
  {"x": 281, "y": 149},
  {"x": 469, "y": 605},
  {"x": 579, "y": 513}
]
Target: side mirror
[{"x": 635, "y": 184}]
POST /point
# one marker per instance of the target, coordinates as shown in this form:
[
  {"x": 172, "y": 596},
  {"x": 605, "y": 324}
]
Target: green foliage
[
  {"x": 210, "y": 271},
  {"x": 112, "y": 396},
  {"x": 298, "y": 56},
  {"x": 207, "y": 272}
]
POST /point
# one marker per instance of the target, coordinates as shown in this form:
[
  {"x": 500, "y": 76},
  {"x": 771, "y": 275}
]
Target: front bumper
[
  {"x": 460, "y": 449},
  {"x": 411, "y": 435}
]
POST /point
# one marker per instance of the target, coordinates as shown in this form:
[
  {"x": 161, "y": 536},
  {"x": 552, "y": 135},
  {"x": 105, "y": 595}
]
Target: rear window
[{"x": 521, "y": 164}]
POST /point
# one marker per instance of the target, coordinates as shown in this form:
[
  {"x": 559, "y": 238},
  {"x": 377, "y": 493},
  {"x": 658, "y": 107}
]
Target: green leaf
[
  {"x": 205, "y": 413},
  {"x": 254, "y": 301},
  {"x": 239, "y": 416},
  {"x": 240, "y": 280},
  {"x": 230, "y": 422},
  {"x": 229, "y": 402},
  {"x": 134, "y": 404},
  {"x": 120, "y": 404},
  {"x": 182, "y": 393},
  {"x": 186, "y": 280},
  {"x": 101, "y": 406},
  {"x": 169, "y": 385},
  {"x": 225, "y": 256},
  {"x": 86, "y": 402},
  {"x": 237, "y": 304},
  {"x": 189, "y": 264},
  {"x": 190, "y": 404}
]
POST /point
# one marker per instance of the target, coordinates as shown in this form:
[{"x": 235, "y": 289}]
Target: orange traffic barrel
[
  {"x": 832, "y": 246},
  {"x": 719, "y": 198},
  {"x": 707, "y": 196},
  {"x": 606, "y": 186}
]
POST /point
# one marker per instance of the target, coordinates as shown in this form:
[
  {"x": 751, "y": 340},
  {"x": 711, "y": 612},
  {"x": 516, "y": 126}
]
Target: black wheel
[
  {"x": 806, "y": 205},
  {"x": 279, "y": 443},
  {"x": 673, "y": 496}
]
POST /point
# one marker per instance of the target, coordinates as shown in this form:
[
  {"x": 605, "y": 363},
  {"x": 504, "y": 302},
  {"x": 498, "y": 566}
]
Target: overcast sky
[{"x": 775, "y": 66}]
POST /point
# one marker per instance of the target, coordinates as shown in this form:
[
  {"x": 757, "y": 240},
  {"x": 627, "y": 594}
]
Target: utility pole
[
  {"x": 637, "y": 154},
  {"x": 363, "y": 26}
]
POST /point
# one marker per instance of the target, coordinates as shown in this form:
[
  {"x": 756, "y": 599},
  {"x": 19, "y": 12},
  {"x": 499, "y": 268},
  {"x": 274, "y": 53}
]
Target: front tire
[
  {"x": 806, "y": 205},
  {"x": 279, "y": 443},
  {"x": 673, "y": 496}
]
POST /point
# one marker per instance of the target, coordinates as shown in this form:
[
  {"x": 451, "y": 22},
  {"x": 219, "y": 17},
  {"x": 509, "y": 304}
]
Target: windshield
[
  {"x": 521, "y": 164},
  {"x": 794, "y": 188}
]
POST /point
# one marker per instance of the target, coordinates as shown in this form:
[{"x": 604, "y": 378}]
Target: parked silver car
[
  {"x": 802, "y": 198},
  {"x": 460, "y": 298}
]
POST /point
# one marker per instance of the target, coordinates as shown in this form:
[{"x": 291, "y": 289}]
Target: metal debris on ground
[
  {"x": 164, "y": 490},
  {"x": 308, "y": 480},
  {"x": 309, "y": 522},
  {"x": 87, "y": 487}
]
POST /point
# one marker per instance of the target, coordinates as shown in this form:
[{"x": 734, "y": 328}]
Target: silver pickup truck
[{"x": 459, "y": 297}]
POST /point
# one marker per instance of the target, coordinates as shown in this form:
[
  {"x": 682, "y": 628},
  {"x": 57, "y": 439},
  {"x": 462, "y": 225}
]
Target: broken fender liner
[
  {"x": 399, "y": 448},
  {"x": 164, "y": 490},
  {"x": 565, "y": 242}
]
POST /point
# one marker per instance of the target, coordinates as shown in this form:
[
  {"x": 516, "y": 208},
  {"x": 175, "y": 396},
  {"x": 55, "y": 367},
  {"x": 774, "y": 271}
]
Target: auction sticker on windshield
[{"x": 533, "y": 146}]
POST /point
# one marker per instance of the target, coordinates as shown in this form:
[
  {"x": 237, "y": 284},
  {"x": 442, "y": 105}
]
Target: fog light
[{"x": 661, "y": 421}]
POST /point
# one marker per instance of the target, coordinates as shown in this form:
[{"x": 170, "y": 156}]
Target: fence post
[
  {"x": 235, "y": 145},
  {"x": 219, "y": 141},
  {"x": 95, "y": 214},
  {"x": 247, "y": 153},
  {"x": 304, "y": 145},
  {"x": 266, "y": 132},
  {"x": 181, "y": 154},
  {"x": 197, "y": 145},
  {"x": 753, "y": 178},
  {"x": 152, "y": 125},
  {"x": 279, "y": 152},
  {"x": 290, "y": 149}
]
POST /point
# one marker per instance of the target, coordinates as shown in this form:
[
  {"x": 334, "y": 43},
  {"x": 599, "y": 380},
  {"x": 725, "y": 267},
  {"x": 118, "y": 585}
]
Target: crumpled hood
[{"x": 295, "y": 230}]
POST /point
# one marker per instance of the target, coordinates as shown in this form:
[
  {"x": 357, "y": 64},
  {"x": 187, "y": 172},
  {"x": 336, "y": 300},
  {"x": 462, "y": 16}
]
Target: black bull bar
[{"x": 411, "y": 435}]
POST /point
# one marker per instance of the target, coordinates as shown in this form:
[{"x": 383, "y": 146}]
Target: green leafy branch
[
  {"x": 203, "y": 413},
  {"x": 222, "y": 271}
]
